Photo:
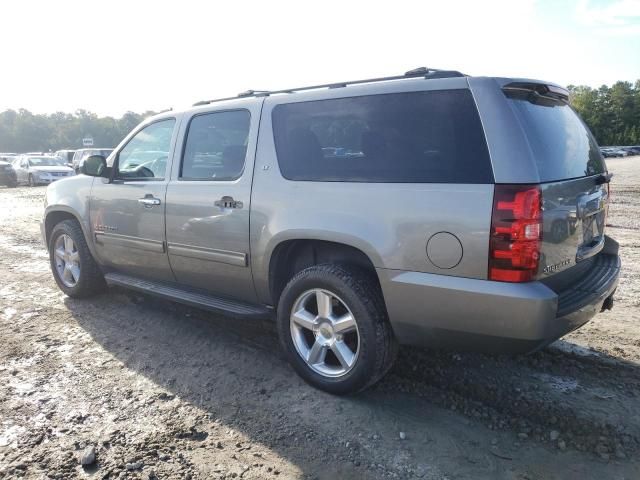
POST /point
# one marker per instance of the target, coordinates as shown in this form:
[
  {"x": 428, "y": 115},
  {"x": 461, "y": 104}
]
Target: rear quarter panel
[{"x": 390, "y": 222}]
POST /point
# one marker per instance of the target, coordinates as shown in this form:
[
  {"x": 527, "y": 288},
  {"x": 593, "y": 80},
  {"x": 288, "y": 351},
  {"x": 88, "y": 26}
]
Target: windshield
[
  {"x": 44, "y": 162},
  {"x": 561, "y": 143}
]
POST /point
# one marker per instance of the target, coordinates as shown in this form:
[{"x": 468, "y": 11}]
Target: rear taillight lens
[{"x": 516, "y": 233}]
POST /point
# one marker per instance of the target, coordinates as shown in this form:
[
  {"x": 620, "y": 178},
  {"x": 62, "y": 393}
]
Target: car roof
[{"x": 415, "y": 80}]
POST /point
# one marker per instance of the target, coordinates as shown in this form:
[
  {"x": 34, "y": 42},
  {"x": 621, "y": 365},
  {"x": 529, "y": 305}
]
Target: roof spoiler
[{"x": 542, "y": 89}]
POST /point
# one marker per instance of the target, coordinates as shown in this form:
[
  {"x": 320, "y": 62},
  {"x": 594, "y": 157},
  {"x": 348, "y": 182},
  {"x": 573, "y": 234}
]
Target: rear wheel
[
  {"x": 74, "y": 269},
  {"x": 334, "y": 329}
]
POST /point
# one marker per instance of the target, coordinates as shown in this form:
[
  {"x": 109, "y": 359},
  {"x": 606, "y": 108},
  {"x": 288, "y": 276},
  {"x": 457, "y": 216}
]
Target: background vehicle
[
  {"x": 383, "y": 212},
  {"x": 67, "y": 155},
  {"x": 632, "y": 150},
  {"x": 80, "y": 155},
  {"x": 7, "y": 173},
  {"x": 611, "y": 152},
  {"x": 36, "y": 170}
]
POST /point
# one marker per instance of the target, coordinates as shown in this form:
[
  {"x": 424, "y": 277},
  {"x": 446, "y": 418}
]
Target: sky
[{"x": 112, "y": 56}]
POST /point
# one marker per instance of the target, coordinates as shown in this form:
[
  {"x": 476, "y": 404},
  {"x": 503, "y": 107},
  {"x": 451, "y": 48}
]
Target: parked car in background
[
  {"x": 67, "y": 155},
  {"x": 361, "y": 215},
  {"x": 7, "y": 173},
  {"x": 611, "y": 152},
  {"x": 39, "y": 169},
  {"x": 80, "y": 155},
  {"x": 632, "y": 150}
]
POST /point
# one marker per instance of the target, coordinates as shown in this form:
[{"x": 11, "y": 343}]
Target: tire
[
  {"x": 87, "y": 280},
  {"x": 355, "y": 292}
]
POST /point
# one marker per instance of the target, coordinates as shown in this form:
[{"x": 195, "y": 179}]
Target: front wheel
[
  {"x": 334, "y": 329},
  {"x": 74, "y": 269}
]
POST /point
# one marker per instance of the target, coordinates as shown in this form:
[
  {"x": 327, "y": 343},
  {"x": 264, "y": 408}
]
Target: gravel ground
[{"x": 140, "y": 388}]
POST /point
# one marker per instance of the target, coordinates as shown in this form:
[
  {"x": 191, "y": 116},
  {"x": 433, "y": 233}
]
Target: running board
[{"x": 193, "y": 298}]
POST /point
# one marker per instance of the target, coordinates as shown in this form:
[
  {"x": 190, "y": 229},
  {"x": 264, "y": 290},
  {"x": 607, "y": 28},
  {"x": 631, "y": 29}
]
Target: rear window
[
  {"x": 416, "y": 137},
  {"x": 562, "y": 145}
]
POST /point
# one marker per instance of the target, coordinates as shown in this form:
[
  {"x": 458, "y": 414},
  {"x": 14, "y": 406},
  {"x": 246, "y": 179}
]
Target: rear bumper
[{"x": 496, "y": 317}]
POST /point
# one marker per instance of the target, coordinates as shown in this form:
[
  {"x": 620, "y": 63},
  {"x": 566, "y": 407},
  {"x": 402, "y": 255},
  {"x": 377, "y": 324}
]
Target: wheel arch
[
  {"x": 53, "y": 216},
  {"x": 294, "y": 255}
]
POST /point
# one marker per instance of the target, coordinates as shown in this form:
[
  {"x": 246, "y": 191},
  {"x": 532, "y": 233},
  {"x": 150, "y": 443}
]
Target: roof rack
[{"x": 427, "y": 73}]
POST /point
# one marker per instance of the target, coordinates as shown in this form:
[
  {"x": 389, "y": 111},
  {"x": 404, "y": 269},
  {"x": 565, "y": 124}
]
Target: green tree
[{"x": 612, "y": 113}]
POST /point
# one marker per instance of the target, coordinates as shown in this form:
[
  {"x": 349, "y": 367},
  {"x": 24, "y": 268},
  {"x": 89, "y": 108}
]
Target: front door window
[{"x": 145, "y": 156}]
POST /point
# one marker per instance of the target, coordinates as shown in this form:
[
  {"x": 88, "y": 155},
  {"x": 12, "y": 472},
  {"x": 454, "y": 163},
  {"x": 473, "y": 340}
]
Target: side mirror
[{"x": 94, "y": 166}]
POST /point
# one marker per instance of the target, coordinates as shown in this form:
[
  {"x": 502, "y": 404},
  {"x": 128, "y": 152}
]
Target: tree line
[
  {"x": 23, "y": 131},
  {"x": 612, "y": 113}
]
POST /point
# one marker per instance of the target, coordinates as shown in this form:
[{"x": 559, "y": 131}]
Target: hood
[{"x": 54, "y": 168}]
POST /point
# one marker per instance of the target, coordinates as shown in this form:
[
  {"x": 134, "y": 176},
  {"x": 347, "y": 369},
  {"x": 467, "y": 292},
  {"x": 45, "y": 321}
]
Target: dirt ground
[{"x": 161, "y": 390}]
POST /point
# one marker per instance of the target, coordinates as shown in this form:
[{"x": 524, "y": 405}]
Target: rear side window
[
  {"x": 562, "y": 145},
  {"x": 416, "y": 137},
  {"x": 216, "y": 146}
]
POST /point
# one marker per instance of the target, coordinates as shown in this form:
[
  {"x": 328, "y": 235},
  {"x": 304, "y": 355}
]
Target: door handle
[
  {"x": 149, "y": 201},
  {"x": 228, "y": 202}
]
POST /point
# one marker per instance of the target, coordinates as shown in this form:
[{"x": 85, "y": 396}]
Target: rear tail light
[{"x": 516, "y": 232}]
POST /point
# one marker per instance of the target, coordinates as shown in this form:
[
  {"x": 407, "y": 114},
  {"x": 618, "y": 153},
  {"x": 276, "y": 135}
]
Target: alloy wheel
[
  {"x": 325, "y": 333},
  {"x": 67, "y": 260}
]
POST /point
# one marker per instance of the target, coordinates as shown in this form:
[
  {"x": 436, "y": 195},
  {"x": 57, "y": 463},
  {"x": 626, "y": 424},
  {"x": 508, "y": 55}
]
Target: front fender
[{"x": 66, "y": 197}]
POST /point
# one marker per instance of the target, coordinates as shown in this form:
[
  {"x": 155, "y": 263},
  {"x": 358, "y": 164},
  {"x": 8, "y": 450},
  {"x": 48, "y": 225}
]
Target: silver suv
[{"x": 430, "y": 208}]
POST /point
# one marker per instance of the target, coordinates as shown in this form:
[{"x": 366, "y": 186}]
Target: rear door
[
  {"x": 208, "y": 201},
  {"x": 573, "y": 176},
  {"x": 127, "y": 213}
]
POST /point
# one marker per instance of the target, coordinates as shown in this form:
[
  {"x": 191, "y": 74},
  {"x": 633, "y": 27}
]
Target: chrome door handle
[
  {"x": 149, "y": 201},
  {"x": 228, "y": 202}
]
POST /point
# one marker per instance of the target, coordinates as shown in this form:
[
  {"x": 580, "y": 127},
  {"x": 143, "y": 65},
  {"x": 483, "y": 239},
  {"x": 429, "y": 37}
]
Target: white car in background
[{"x": 40, "y": 170}]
